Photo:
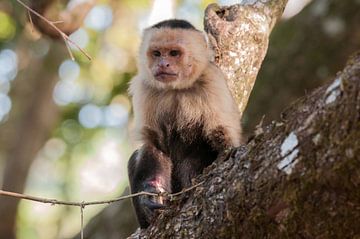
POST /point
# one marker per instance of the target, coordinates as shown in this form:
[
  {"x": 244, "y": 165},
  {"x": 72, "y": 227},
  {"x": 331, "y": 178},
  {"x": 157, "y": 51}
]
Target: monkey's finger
[
  {"x": 149, "y": 208},
  {"x": 152, "y": 205}
]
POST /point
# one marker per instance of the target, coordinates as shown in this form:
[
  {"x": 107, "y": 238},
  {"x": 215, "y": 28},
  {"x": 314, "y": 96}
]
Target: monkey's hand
[
  {"x": 152, "y": 203},
  {"x": 219, "y": 139}
]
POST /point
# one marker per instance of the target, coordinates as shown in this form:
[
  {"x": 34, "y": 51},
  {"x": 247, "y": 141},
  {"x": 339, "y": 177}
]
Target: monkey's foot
[{"x": 152, "y": 203}]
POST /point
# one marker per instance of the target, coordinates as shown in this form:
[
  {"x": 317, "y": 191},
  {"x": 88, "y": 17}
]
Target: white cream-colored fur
[{"x": 210, "y": 101}]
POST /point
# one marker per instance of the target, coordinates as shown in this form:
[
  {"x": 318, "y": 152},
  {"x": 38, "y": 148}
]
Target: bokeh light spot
[
  {"x": 5, "y": 105},
  {"x": 8, "y": 64},
  {"x": 66, "y": 92},
  {"x": 99, "y": 18},
  {"x": 334, "y": 26},
  {"x": 90, "y": 116},
  {"x": 71, "y": 131},
  {"x": 54, "y": 148},
  {"x": 80, "y": 37},
  {"x": 7, "y": 27},
  {"x": 69, "y": 70},
  {"x": 115, "y": 115}
]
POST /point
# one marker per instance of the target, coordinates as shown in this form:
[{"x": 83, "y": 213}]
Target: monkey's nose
[{"x": 164, "y": 63}]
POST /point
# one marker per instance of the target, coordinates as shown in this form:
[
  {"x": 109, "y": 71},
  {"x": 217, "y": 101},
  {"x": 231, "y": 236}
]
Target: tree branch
[
  {"x": 239, "y": 35},
  {"x": 84, "y": 204},
  {"x": 71, "y": 19},
  {"x": 295, "y": 178},
  {"x": 60, "y": 32},
  {"x": 77, "y": 204}
]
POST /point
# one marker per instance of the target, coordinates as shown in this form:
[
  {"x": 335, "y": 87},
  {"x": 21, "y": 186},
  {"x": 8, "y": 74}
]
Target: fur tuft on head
[{"x": 174, "y": 24}]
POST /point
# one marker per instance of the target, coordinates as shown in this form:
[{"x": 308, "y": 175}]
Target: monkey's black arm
[{"x": 149, "y": 170}]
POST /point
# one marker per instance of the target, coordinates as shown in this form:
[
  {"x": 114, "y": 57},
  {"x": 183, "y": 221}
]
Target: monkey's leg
[{"x": 150, "y": 171}]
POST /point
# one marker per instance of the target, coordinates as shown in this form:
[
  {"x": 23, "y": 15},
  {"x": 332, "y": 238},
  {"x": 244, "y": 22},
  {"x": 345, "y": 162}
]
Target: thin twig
[
  {"x": 186, "y": 190},
  {"x": 58, "y": 22},
  {"x": 76, "y": 45},
  {"x": 84, "y": 204},
  {"x": 69, "y": 50},
  {"x": 78, "y": 204},
  {"x": 82, "y": 221},
  {"x": 52, "y": 24},
  {"x": 31, "y": 21}
]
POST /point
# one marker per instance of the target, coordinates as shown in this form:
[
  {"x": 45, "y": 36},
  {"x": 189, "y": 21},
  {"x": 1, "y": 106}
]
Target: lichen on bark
[{"x": 239, "y": 35}]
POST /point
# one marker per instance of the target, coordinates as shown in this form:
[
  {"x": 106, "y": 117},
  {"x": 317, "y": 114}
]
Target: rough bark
[
  {"x": 239, "y": 35},
  {"x": 298, "y": 178}
]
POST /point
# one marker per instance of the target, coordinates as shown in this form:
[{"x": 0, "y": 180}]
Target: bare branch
[
  {"x": 69, "y": 50},
  {"x": 31, "y": 22},
  {"x": 186, "y": 190},
  {"x": 72, "y": 18},
  {"x": 57, "y": 29},
  {"x": 84, "y": 204},
  {"x": 68, "y": 203},
  {"x": 82, "y": 222}
]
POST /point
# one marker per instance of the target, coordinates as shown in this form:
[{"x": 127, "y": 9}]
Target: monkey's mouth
[{"x": 164, "y": 76}]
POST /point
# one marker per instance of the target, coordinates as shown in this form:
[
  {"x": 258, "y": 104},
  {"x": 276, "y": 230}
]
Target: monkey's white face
[
  {"x": 174, "y": 59},
  {"x": 169, "y": 64}
]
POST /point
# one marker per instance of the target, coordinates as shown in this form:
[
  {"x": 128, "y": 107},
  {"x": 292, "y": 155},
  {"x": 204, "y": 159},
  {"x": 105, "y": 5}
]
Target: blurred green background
[{"x": 64, "y": 125}]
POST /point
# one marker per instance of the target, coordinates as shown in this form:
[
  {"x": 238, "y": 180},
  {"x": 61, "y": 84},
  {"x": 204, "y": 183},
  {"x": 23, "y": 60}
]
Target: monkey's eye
[
  {"x": 156, "y": 53},
  {"x": 174, "y": 53}
]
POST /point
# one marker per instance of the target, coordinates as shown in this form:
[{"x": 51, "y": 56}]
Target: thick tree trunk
[
  {"x": 26, "y": 131},
  {"x": 239, "y": 35},
  {"x": 34, "y": 113},
  {"x": 298, "y": 178}
]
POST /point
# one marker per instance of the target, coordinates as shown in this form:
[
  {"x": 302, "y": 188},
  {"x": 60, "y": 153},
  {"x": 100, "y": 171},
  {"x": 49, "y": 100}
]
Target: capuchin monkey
[{"x": 184, "y": 113}]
